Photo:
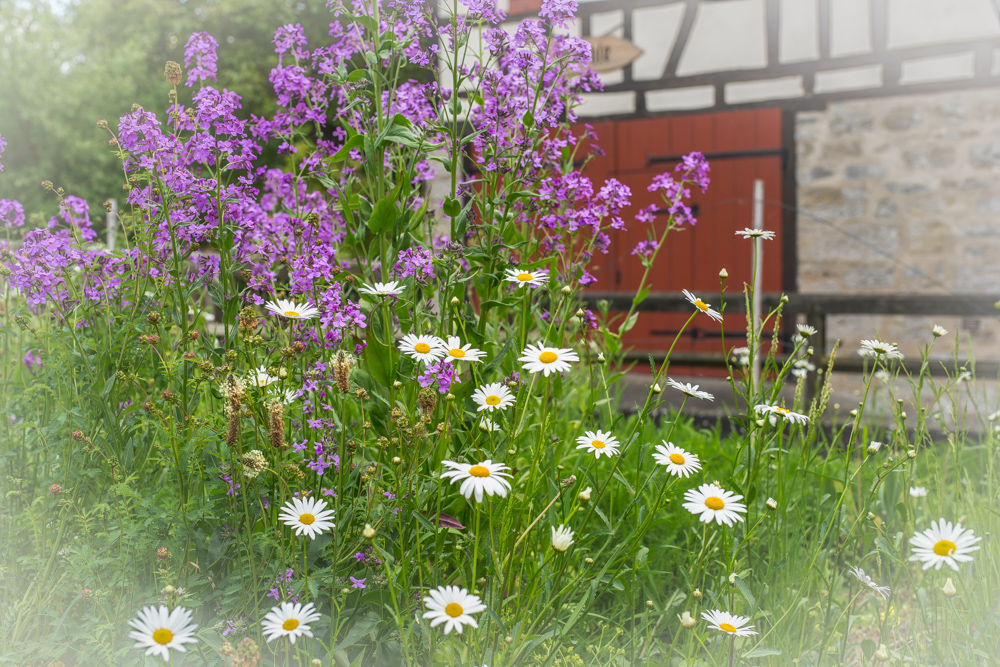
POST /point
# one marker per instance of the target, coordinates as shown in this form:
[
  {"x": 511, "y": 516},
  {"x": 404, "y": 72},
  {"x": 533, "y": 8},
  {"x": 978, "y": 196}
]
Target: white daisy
[
  {"x": 702, "y": 306},
  {"x": 427, "y": 349},
  {"x": 286, "y": 396},
  {"x": 878, "y": 348},
  {"x": 292, "y": 310},
  {"x": 452, "y": 606},
  {"x": 944, "y": 543},
  {"x": 307, "y": 515},
  {"x": 562, "y": 538},
  {"x": 677, "y": 461},
  {"x": 711, "y": 501},
  {"x": 690, "y": 389},
  {"x": 526, "y": 277},
  {"x": 867, "y": 581},
  {"x": 547, "y": 359},
  {"x": 488, "y": 425},
  {"x": 455, "y": 351},
  {"x": 728, "y": 623},
  {"x": 882, "y": 375},
  {"x": 289, "y": 620},
  {"x": 939, "y": 331},
  {"x": 483, "y": 477},
  {"x": 493, "y": 396},
  {"x": 741, "y": 355},
  {"x": 383, "y": 289},
  {"x": 793, "y": 417},
  {"x": 918, "y": 491},
  {"x": 261, "y": 378},
  {"x": 805, "y": 331},
  {"x": 749, "y": 233},
  {"x": 802, "y": 368},
  {"x": 158, "y": 630},
  {"x": 598, "y": 443}
]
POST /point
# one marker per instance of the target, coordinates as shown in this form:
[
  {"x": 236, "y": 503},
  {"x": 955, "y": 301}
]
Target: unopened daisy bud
[
  {"x": 449, "y": 397},
  {"x": 732, "y": 579},
  {"x": 697, "y": 594},
  {"x": 579, "y": 312},
  {"x": 771, "y": 504},
  {"x": 811, "y": 351},
  {"x": 854, "y": 413},
  {"x": 397, "y": 384},
  {"x": 396, "y": 460},
  {"x": 882, "y": 653},
  {"x": 649, "y": 603},
  {"x": 584, "y": 496},
  {"x": 455, "y": 301},
  {"x": 949, "y": 589},
  {"x": 481, "y": 581},
  {"x": 168, "y": 590},
  {"x": 368, "y": 532},
  {"x": 345, "y": 591},
  {"x": 588, "y": 561},
  {"x": 937, "y": 332},
  {"x": 600, "y": 357},
  {"x": 911, "y": 453},
  {"x": 722, "y": 274},
  {"x": 562, "y": 538},
  {"x": 874, "y": 446},
  {"x": 871, "y": 517},
  {"x": 656, "y": 388},
  {"x": 512, "y": 452},
  {"x": 687, "y": 620},
  {"x": 283, "y": 373},
  {"x": 759, "y": 423},
  {"x": 784, "y": 299},
  {"x": 903, "y": 414},
  {"x": 316, "y": 662},
  {"x": 566, "y": 289}
]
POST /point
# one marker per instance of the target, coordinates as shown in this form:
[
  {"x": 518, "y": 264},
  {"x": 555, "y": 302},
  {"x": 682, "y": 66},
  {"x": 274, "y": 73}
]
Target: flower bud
[
  {"x": 316, "y": 662},
  {"x": 600, "y": 357},
  {"x": 723, "y": 273},
  {"x": 163, "y": 553},
  {"x": 168, "y": 590},
  {"x": 368, "y": 532},
  {"x": 566, "y": 289},
  {"x": 579, "y": 312},
  {"x": 903, "y": 414},
  {"x": 345, "y": 591},
  {"x": 172, "y": 71},
  {"x": 396, "y": 460},
  {"x": 455, "y": 301},
  {"x": 949, "y": 589},
  {"x": 882, "y": 653},
  {"x": 449, "y": 397},
  {"x": 656, "y": 388},
  {"x": 732, "y": 579},
  {"x": 588, "y": 561},
  {"x": 86, "y": 593},
  {"x": 937, "y": 332},
  {"x": 397, "y": 384},
  {"x": 649, "y": 604},
  {"x": 55, "y": 490},
  {"x": 911, "y": 453},
  {"x": 771, "y": 504},
  {"x": 854, "y": 413},
  {"x": 687, "y": 620},
  {"x": 759, "y": 423},
  {"x": 584, "y": 496},
  {"x": 697, "y": 594},
  {"x": 874, "y": 446},
  {"x": 784, "y": 299}
]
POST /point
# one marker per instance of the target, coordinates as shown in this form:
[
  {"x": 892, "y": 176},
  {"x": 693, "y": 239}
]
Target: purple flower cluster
[
  {"x": 280, "y": 589},
  {"x": 32, "y": 360},
  {"x": 200, "y": 58},
  {"x": 415, "y": 262},
  {"x": 441, "y": 373}
]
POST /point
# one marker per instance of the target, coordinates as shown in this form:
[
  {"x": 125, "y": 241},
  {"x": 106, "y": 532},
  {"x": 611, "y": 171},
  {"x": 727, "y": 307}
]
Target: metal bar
[
  {"x": 760, "y": 152},
  {"x": 828, "y": 304}
]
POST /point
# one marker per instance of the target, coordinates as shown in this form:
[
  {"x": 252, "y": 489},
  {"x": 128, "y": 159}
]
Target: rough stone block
[
  {"x": 860, "y": 171},
  {"x": 934, "y": 157},
  {"x": 902, "y": 118},
  {"x": 985, "y": 155},
  {"x": 886, "y": 208},
  {"x": 830, "y": 202}
]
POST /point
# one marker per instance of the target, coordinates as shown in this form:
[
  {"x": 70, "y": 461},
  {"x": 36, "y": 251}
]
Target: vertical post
[
  {"x": 111, "y": 224},
  {"x": 756, "y": 303}
]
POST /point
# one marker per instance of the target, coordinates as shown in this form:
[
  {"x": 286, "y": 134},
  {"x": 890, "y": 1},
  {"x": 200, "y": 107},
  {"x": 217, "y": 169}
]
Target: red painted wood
[{"x": 524, "y": 7}]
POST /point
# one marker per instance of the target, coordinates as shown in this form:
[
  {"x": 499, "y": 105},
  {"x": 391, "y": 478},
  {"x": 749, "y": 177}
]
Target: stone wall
[{"x": 902, "y": 195}]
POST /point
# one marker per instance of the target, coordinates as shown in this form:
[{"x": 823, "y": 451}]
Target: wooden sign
[{"x": 611, "y": 53}]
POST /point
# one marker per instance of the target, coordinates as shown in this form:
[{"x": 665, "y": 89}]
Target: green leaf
[
  {"x": 745, "y": 592},
  {"x": 383, "y": 215},
  {"x": 355, "y": 142},
  {"x": 630, "y": 322},
  {"x": 452, "y": 207},
  {"x": 761, "y": 652},
  {"x": 868, "y": 648},
  {"x": 641, "y": 295}
]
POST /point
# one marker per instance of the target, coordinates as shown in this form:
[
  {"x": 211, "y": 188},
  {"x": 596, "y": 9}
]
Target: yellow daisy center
[
  {"x": 714, "y": 503},
  {"x": 163, "y": 636},
  {"x": 944, "y": 548},
  {"x": 727, "y": 627},
  {"x": 292, "y": 313},
  {"x": 478, "y": 471},
  {"x": 677, "y": 458},
  {"x": 422, "y": 348},
  {"x": 597, "y": 444},
  {"x": 547, "y": 357},
  {"x": 492, "y": 400},
  {"x": 306, "y": 518},
  {"x": 453, "y": 609},
  {"x": 700, "y": 305},
  {"x": 290, "y": 624},
  {"x": 783, "y": 411},
  {"x": 457, "y": 352},
  {"x": 524, "y": 277}
]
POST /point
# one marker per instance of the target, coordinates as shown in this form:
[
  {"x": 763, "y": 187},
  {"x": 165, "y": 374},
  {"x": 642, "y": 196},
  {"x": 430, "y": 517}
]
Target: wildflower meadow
[{"x": 335, "y": 398}]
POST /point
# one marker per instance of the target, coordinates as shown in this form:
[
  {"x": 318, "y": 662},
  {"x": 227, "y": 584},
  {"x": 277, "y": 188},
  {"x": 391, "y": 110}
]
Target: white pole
[
  {"x": 111, "y": 224},
  {"x": 756, "y": 304}
]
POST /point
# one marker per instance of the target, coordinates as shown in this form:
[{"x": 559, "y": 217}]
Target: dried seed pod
[
  {"x": 342, "y": 365},
  {"x": 276, "y": 413},
  {"x": 426, "y": 400}
]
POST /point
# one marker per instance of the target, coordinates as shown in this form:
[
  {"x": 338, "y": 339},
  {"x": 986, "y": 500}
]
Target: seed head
[
  {"x": 276, "y": 416},
  {"x": 173, "y": 72},
  {"x": 254, "y": 463}
]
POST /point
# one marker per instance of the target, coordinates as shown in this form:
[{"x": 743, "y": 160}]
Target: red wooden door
[{"x": 747, "y": 146}]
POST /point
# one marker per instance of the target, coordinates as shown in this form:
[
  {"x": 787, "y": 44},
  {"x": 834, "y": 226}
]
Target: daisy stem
[{"x": 305, "y": 568}]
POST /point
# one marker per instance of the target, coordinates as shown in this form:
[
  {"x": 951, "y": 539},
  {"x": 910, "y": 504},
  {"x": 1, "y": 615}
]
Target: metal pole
[
  {"x": 756, "y": 303},
  {"x": 111, "y": 223}
]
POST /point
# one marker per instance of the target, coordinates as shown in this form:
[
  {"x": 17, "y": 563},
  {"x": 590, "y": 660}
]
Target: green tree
[{"x": 63, "y": 68}]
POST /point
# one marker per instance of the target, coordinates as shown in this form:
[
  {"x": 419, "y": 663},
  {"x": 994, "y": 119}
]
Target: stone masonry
[{"x": 902, "y": 195}]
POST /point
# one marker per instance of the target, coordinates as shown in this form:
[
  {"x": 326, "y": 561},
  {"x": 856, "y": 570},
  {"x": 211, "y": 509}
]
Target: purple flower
[
  {"x": 358, "y": 583},
  {"x": 441, "y": 373},
  {"x": 32, "y": 360},
  {"x": 415, "y": 262},
  {"x": 559, "y": 12},
  {"x": 11, "y": 212},
  {"x": 200, "y": 49},
  {"x": 3, "y": 145},
  {"x": 359, "y": 556},
  {"x": 645, "y": 249}
]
